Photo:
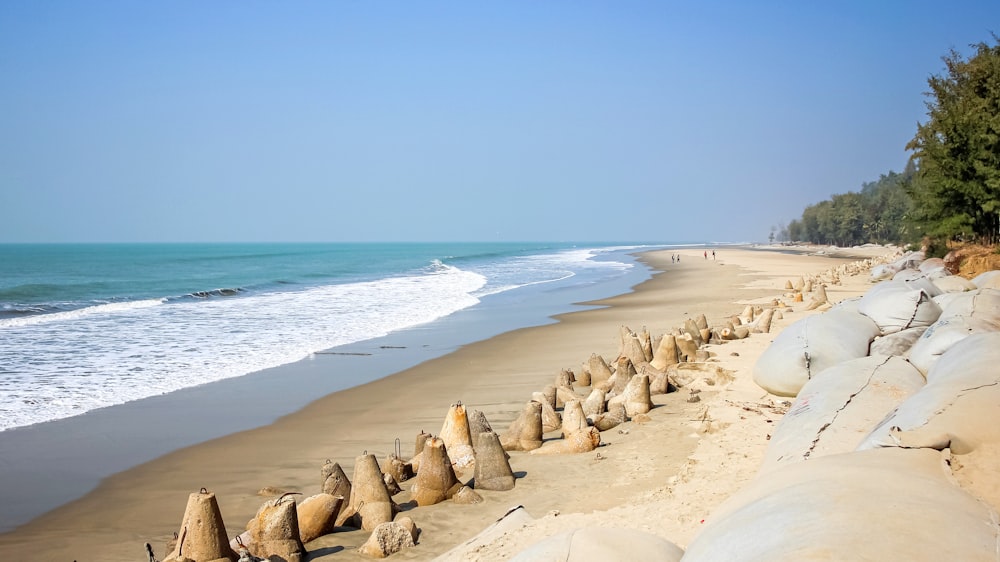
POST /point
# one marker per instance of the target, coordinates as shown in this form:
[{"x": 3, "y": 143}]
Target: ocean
[{"x": 88, "y": 326}]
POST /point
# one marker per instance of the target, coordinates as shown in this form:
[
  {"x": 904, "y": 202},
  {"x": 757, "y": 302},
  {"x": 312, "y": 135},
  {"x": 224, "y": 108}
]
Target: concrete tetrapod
[
  {"x": 478, "y": 424},
  {"x": 370, "y": 502},
  {"x": 203, "y": 533},
  {"x": 456, "y": 436},
  {"x": 436, "y": 480},
  {"x": 594, "y": 404},
  {"x": 666, "y": 353},
  {"x": 525, "y": 432},
  {"x": 274, "y": 531},
  {"x": 582, "y": 441},
  {"x": 573, "y": 418},
  {"x": 337, "y": 484},
  {"x": 636, "y": 396},
  {"x": 600, "y": 372},
  {"x": 317, "y": 515},
  {"x": 550, "y": 419},
  {"x": 493, "y": 470}
]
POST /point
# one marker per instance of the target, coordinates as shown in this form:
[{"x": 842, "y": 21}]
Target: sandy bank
[{"x": 663, "y": 476}]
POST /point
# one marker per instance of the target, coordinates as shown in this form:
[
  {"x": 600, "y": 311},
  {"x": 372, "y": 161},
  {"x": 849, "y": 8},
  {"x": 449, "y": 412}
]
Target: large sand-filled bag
[
  {"x": 513, "y": 519},
  {"x": 980, "y": 303},
  {"x": 898, "y": 305},
  {"x": 882, "y": 272},
  {"x": 968, "y": 313},
  {"x": 931, "y": 264},
  {"x": 588, "y": 544},
  {"x": 811, "y": 345},
  {"x": 886, "y": 504},
  {"x": 957, "y": 408},
  {"x": 914, "y": 275},
  {"x": 837, "y": 408},
  {"x": 954, "y": 284},
  {"x": 987, "y": 280},
  {"x": 897, "y": 344},
  {"x": 203, "y": 533},
  {"x": 922, "y": 281}
]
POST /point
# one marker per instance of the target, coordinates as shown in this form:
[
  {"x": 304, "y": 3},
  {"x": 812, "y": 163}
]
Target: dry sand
[{"x": 663, "y": 476}]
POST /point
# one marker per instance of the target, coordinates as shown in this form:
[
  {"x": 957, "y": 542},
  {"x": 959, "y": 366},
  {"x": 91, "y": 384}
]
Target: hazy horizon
[{"x": 370, "y": 122}]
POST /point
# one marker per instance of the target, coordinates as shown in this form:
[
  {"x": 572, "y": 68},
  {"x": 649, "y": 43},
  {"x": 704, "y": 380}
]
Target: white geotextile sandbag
[
  {"x": 897, "y": 344},
  {"x": 882, "y": 272},
  {"x": 898, "y": 305},
  {"x": 918, "y": 280},
  {"x": 958, "y": 406},
  {"x": 514, "y": 519},
  {"x": 588, "y": 544},
  {"x": 837, "y": 408},
  {"x": 942, "y": 336},
  {"x": 886, "y": 504},
  {"x": 811, "y": 345},
  {"x": 987, "y": 280},
  {"x": 983, "y": 304},
  {"x": 944, "y": 299},
  {"x": 850, "y": 305},
  {"x": 911, "y": 260},
  {"x": 969, "y": 313},
  {"x": 931, "y": 264},
  {"x": 954, "y": 284},
  {"x": 917, "y": 275}
]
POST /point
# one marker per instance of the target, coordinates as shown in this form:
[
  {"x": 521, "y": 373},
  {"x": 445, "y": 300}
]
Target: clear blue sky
[{"x": 344, "y": 121}]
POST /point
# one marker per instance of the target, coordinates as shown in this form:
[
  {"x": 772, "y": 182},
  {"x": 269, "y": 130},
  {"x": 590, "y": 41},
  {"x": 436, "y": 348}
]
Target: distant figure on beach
[
  {"x": 713, "y": 255},
  {"x": 706, "y": 254},
  {"x": 671, "y": 258}
]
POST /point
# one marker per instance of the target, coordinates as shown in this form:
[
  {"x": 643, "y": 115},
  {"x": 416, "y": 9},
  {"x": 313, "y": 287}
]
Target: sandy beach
[{"x": 663, "y": 475}]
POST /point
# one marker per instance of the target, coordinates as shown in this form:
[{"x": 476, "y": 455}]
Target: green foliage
[
  {"x": 950, "y": 189},
  {"x": 956, "y": 187},
  {"x": 877, "y": 214}
]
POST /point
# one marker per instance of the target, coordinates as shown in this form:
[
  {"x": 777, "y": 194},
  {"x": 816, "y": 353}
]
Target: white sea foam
[
  {"x": 64, "y": 364},
  {"x": 70, "y": 315}
]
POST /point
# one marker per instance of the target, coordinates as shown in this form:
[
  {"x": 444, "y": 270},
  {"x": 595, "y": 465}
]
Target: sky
[{"x": 706, "y": 121}]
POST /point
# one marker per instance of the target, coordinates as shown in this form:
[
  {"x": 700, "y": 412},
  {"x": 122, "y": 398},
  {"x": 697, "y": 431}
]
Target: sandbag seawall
[{"x": 912, "y": 424}]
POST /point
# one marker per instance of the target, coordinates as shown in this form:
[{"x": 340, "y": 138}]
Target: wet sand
[{"x": 146, "y": 503}]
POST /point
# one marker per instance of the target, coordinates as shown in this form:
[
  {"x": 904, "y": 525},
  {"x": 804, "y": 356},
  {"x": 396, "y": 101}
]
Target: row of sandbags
[
  {"x": 903, "y": 316},
  {"x": 884, "y": 455}
]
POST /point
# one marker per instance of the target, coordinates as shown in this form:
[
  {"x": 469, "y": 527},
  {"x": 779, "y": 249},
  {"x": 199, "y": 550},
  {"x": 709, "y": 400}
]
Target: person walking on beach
[
  {"x": 706, "y": 254},
  {"x": 713, "y": 255},
  {"x": 671, "y": 258}
]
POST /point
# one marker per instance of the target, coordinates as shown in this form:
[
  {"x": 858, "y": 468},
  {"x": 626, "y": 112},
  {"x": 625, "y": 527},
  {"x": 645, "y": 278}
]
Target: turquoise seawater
[{"x": 85, "y": 326}]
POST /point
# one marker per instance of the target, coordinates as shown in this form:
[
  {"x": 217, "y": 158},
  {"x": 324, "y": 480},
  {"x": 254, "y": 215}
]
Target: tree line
[{"x": 949, "y": 190}]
